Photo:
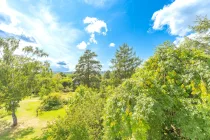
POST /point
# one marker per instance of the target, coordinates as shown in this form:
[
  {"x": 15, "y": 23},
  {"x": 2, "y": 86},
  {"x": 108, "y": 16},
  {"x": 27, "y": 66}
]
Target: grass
[{"x": 29, "y": 125}]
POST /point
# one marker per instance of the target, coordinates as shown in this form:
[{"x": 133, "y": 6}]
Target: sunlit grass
[
  {"x": 29, "y": 124},
  {"x": 52, "y": 115}
]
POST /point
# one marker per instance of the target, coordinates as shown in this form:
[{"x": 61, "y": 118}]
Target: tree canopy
[
  {"x": 124, "y": 63},
  {"x": 88, "y": 70},
  {"x": 18, "y": 73},
  {"x": 166, "y": 98}
]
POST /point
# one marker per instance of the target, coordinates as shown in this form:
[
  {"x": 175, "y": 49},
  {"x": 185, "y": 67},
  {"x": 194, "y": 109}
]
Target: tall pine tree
[
  {"x": 124, "y": 63},
  {"x": 88, "y": 70}
]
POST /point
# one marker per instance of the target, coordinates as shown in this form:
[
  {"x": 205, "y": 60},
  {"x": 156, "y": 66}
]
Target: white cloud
[
  {"x": 111, "y": 45},
  {"x": 178, "y": 15},
  {"x": 82, "y": 45},
  {"x": 95, "y": 25},
  {"x": 92, "y": 39},
  {"x": 50, "y": 34}
]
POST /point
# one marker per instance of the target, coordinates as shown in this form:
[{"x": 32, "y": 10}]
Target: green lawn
[{"x": 29, "y": 125}]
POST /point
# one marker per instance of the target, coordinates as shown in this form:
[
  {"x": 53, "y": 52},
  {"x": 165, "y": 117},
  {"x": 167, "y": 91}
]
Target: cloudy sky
[{"x": 65, "y": 28}]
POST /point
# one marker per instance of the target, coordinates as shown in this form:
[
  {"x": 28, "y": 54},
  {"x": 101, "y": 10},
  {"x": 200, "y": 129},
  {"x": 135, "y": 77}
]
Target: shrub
[
  {"x": 83, "y": 120},
  {"x": 51, "y": 102},
  {"x": 65, "y": 129},
  {"x": 66, "y": 89}
]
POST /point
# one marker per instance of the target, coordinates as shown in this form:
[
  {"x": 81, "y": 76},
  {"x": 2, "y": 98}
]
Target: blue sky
[{"x": 65, "y": 28}]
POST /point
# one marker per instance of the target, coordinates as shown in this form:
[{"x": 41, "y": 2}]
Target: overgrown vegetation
[{"x": 166, "y": 97}]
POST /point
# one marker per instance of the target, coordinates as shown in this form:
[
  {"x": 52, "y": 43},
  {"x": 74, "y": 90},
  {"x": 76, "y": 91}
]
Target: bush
[
  {"x": 65, "y": 101},
  {"x": 66, "y": 89},
  {"x": 51, "y": 102},
  {"x": 65, "y": 129},
  {"x": 45, "y": 91},
  {"x": 83, "y": 120}
]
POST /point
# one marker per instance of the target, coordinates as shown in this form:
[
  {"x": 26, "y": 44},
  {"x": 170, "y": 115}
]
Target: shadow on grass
[
  {"x": 4, "y": 125},
  {"x": 9, "y": 133}
]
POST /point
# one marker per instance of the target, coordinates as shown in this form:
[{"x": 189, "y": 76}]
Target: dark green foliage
[
  {"x": 107, "y": 75},
  {"x": 67, "y": 84},
  {"x": 51, "y": 102},
  {"x": 88, "y": 70},
  {"x": 124, "y": 63}
]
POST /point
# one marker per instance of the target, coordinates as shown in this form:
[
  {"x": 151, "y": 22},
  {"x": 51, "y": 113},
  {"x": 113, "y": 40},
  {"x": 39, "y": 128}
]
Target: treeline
[
  {"x": 88, "y": 73},
  {"x": 88, "y": 70},
  {"x": 167, "y": 97}
]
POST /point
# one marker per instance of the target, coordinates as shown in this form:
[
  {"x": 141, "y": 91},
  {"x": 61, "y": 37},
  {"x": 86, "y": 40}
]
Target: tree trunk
[{"x": 14, "y": 118}]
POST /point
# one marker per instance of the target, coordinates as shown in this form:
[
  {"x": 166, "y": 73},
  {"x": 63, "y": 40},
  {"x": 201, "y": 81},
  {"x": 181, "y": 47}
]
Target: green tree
[
  {"x": 166, "y": 98},
  {"x": 56, "y": 80},
  {"x": 124, "y": 63},
  {"x": 201, "y": 34},
  {"x": 107, "y": 74},
  {"x": 45, "y": 83},
  {"x": 18, "y": 73},
  {"x": 88, "y": 70}
]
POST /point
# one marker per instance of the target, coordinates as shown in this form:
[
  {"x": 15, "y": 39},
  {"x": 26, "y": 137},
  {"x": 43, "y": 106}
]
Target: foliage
[
  {"x": 67, "y": 84},
  {"x": 51, "y": 102},
  {"x": 83, "y": 120},
  {"x": 88, "y": 70},
  {"x": 18, "y": 73},
  {"x": 54, "y": 83},
  {"x": 107, "y": 75},
  {"x": 166, "y": 99},
  {"x": 124, "y": 63},
  {"x": 45, "y": 85},
  {"x": 3, "y": 112},
  {"x": 107, "y": 84},
  {"x": 202, "y": 34}
]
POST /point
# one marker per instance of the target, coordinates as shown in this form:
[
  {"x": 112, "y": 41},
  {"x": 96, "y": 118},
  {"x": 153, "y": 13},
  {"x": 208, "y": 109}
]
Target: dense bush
[
  {"x": 67, "y": 89},
  {"x": 83, "y": 120},
  {"x": 51, "y": 102}
]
